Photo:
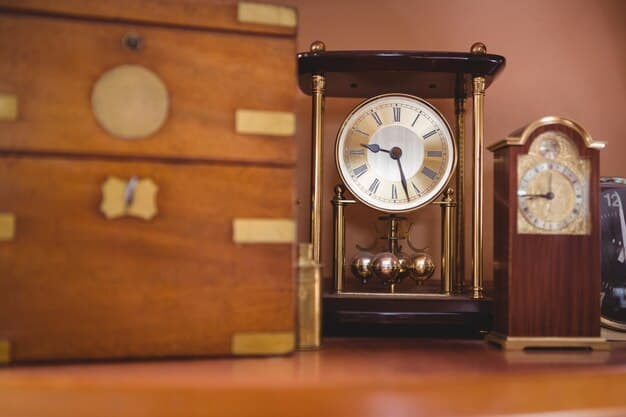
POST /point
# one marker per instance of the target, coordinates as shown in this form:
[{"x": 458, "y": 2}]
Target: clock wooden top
[{"x": 370, "y": 73}]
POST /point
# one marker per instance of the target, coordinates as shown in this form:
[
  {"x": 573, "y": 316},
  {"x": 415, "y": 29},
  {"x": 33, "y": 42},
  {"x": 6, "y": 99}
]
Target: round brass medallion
[{"x": 130, "y": 102}]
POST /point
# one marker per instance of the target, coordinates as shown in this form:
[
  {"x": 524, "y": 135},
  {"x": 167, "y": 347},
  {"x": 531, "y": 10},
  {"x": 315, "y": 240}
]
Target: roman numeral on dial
[
  {"x": 394, "y": 192},
  {"x": 374, "y": 186},
  {"x": 416, "y": 117},
  {"x": 354, "y": 129},
  {"x": 360, "y": 170},
  {"x": 377, "y": 118},
  {"x": 396, "y": 114},
  {"x": 429, "y": 134}
]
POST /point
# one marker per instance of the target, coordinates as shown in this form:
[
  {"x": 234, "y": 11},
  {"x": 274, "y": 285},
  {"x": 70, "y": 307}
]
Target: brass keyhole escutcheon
[{"x": 133, "y": 197}]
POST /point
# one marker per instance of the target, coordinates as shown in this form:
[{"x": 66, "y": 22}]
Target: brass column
[
  {"x": 317, "y": 135},
  {"x": 459, "y": 267},
  {"x": 477, "y": 212},
  {"x": 339, "y": 233},
  {"x": 448, "y": 230}
]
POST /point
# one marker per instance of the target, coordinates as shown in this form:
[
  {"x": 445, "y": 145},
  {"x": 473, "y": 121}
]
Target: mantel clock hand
[{"x": 374, "y": 147}]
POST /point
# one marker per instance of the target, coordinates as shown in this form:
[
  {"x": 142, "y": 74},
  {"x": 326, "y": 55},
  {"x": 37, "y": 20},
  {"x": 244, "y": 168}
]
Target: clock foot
[{"x": 520, "y": 343}]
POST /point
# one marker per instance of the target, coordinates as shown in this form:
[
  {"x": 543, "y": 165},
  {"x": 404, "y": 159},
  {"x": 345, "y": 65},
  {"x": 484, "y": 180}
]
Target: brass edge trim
[
  {"x": 262, "y": 343},
  {"x": 548, "y": 120},
  {"x": 396, "y": 295},
  {"x": 252, "y": 230},
  {"x": 519, "y": 343},
  {"x": 8, "y": 107},
  {"x": 262, "y": 122},
  {"x": 267, "y": 14},
  {"x": 7, "y": 226},
  {"x": 5, "y": 352}
]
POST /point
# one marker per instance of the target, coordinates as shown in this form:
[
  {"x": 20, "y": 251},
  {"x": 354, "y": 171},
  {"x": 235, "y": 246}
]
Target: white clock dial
[{"x": 395, "y": 152}]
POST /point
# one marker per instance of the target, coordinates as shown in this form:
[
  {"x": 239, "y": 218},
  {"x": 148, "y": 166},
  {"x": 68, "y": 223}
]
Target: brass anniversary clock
[
  {"x": 547, "y": 237},
  {"x": 395, "y": 152}
]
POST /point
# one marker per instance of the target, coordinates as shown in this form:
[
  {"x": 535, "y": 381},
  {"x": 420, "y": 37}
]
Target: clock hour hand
[{"x": 374, "y": 147}]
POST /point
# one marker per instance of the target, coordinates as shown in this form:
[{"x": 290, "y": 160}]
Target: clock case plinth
[
  {"x": 449, "y": 75},
  {"x": 546, "y": 286}
]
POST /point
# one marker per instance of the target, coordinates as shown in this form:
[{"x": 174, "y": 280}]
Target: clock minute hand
[
  {"x": 403, "y": 180},
  {"x": 374, "y": 147},
  {"x": 548, "y": 195}
]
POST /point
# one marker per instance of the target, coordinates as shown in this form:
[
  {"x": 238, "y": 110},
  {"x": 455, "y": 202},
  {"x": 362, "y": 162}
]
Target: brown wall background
[{"x": 564, "y": 57}]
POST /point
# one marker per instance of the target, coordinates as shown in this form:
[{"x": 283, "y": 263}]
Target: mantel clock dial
[
  {"x": 553, "y": 187},
  {"x": 395, "y": 152}
]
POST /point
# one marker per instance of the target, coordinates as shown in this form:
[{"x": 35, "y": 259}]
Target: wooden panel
[
  {"x": 208, "y": 76},
  {"x": 194, "y": 13},
  {"x": 503, "y": 229},
  {"x": 75, "y": 285}
]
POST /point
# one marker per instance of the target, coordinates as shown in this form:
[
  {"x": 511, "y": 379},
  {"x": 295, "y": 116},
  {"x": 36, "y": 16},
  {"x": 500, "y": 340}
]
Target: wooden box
[{"x": 163, "y": 228}]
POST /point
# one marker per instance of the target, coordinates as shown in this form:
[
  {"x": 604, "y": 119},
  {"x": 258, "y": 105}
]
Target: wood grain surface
[
  {"x": 76, "y": 285},
  {"x": 545, "y": 285},
  {"x": 220, "y": 15},
  {"x": 347, "y": 377},
  {"x": 51, "y": 65}
]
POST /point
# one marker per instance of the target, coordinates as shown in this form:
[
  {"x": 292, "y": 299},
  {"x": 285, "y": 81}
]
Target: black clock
[{"x": 613, "y": 224}]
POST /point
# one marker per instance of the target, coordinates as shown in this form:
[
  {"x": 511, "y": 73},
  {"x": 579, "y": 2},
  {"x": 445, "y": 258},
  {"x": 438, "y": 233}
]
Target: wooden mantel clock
[{"x": 547, "y": 237}]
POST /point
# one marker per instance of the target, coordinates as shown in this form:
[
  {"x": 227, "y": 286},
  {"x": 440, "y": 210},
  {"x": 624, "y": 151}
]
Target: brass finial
[
  {"x": 448, "y": 195},
  {"x": 339, "y": 189},
  {"x": 318, "y": 46},
  {"x": 479, "y": 48}
]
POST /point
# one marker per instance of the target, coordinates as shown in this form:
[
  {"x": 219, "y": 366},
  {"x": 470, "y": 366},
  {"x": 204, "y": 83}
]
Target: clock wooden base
[
  {"x": 406, "y": 314},
  {"x": 520, "y": 343}
]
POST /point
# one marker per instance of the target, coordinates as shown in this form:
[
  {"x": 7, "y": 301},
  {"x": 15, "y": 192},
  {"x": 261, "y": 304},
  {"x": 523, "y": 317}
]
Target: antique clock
[
  {"x": 547, "y": 237},
  {"x": 613, "y": 226},
  {"x": 395, "y": 152}
]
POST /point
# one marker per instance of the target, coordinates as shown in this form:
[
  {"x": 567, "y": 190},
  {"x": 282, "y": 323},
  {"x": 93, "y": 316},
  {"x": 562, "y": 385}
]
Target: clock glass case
[
  {"x": 395, "y": 152},
  {"x": 613, "y": 223}
]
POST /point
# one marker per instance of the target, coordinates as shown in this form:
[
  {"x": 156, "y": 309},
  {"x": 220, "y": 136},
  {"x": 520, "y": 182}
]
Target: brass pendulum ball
[
  {"x": 404, "y": 261},
  {"x": 421, "y": 267},
  {"x": 361, "y": 266},
  {"x": 386, "y": 266}
]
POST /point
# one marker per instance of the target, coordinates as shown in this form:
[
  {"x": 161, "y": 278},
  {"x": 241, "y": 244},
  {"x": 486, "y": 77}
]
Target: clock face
[
  {"x": 613, "y": 224},
  {"x": 395, "y": 152},
  {"x": 553, "y": 184}
]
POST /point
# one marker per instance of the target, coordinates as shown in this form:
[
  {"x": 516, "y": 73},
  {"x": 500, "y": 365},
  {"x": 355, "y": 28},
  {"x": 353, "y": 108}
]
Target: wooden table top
[{"x": 347, "y": 377}]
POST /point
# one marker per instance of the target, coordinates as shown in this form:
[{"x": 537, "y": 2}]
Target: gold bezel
[{"x": 444, "y": 183}]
